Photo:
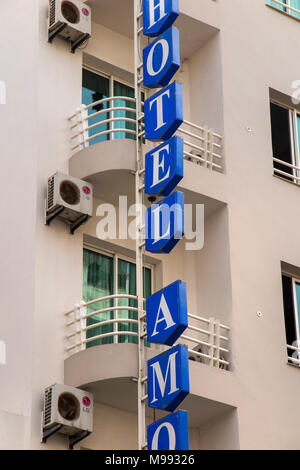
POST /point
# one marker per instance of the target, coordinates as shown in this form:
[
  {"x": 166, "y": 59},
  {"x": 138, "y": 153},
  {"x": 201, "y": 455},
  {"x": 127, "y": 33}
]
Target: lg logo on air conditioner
[{"x": 2, "y": 92}]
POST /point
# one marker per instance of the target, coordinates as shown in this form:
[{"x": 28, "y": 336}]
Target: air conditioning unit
[
  {"x": 71, "y": 20},
  {"x": 68, "y": 410},
  {"x": 70, "y": 199}
]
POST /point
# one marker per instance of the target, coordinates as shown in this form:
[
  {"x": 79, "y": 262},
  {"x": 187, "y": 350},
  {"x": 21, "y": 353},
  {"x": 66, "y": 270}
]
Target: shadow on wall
[{"x": 220, "y": 433}]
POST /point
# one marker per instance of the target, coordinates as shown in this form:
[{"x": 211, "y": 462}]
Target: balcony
[
  {"x": 288, "y": 7},
  {"x": 205, "y": 338},
  {"x": 102, "y": 357},
  {"x": 107, "y": 120}
]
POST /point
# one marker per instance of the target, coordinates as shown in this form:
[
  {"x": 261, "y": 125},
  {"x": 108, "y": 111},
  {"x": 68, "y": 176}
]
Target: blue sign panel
[
  {"x": 166, "y": 312},
  {"x": 164, "y": 167},
  {"x": 165, "y": 224},
  {"x": 168, "y": 378},
  {"x": 159, "y": 15},
  {"x": 161, "y": 59},
  {"x": 170, "y": 433},
  {"x": 164, "y": 113}
]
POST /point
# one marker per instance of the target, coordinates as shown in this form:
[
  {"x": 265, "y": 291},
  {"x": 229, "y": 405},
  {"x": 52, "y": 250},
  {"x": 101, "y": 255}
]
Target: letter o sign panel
[
  {"x": 170, "y": 433},
  {"x": 161, "y": 59}
]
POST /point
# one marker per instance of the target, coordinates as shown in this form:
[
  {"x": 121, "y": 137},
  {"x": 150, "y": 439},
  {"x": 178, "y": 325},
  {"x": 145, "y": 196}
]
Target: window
[
  {"x": 280, "y": 5},
  {"x": 285, "y": 126},
  {"x": 96, "y": 87},
  {"x": 291, "y": 304},
  {"x": 105, "y": 275}
]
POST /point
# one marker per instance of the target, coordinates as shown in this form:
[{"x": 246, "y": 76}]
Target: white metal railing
[
  {"x": 77, "y": 321},
  {"x": 209, "y": 343},
  {"x": 207, "y": 339},
  {"x": 293, "y": 177},
  {"x": 201, "y": 144},
  {"x": 288, "y": 9},
  {"x": 294, "y": 357}
]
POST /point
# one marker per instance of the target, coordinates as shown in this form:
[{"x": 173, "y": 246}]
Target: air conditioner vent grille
[
  {"x": 47, "y": 406},
  {"x": 50, "y": 192},
  {"x": 52, "y": 12}
]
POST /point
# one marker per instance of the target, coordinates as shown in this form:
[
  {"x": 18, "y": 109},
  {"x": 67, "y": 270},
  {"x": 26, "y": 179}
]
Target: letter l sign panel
[
  {"x": 165, "y": 223},
  {"x": 168, "y": 378}
]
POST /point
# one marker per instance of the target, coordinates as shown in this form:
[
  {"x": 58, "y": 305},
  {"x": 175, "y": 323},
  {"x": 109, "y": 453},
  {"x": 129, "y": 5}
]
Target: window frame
[
  {"x": 112, "y": 78},
  {"x": 296, "y": 313},
  {"x": 294, "y": 141},
  {"x": 285, "y": 9},
  {"x": 294, "y": 280},
  {"x": 116, "y": 255}
]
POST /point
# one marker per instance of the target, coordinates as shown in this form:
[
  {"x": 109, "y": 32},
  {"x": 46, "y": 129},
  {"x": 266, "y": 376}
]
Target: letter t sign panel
[{"x": 168, "y": 378}]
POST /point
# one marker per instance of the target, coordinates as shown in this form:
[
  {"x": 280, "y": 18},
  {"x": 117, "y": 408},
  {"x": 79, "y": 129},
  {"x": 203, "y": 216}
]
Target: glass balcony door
[
  {"x": 98, "y": 281},
  {"x": 295, "y": 4},
  {"x": 290, "y": 3},
  {"x": 96, "y": 87},
  {"x": 104, "y": 275}
]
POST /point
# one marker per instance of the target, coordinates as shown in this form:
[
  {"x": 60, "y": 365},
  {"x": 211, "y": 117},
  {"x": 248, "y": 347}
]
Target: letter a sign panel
[
  {"x": 166, "y": 312},
  {"x": 170, "y": 433},
  {"x": 168, "y": 378}
]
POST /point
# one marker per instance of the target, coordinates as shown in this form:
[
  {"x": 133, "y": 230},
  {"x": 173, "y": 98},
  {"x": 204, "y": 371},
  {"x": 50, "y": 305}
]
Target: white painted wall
[{"x": 226, "y": 84}]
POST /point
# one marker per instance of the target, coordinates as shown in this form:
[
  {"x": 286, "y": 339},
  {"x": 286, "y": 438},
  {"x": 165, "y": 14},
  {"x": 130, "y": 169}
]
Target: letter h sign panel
[
  {"x": 168, "y": 378},
  {"x": 159, "y": 15}
]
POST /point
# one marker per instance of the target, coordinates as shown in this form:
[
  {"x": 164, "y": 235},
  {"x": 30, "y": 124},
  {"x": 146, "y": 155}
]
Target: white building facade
[{"x": 241, "y": 83}]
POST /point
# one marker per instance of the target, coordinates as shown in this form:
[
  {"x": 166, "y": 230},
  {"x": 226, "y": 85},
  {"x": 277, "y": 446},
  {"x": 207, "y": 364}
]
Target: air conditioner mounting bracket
[
  {"x": 77, "y": 438},
  {"x": 52, "y": 34},
  {"x": 78, "y": 42},
  {"x": 49, "y": 432}
]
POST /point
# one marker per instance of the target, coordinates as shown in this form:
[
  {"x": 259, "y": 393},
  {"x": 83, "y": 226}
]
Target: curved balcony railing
[
  {"x": 107, "y": 120},
  {"x": 207, "y": 339}
]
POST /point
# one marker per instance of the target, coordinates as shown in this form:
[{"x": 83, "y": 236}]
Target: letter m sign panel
[{"x": 168, "y": 378}]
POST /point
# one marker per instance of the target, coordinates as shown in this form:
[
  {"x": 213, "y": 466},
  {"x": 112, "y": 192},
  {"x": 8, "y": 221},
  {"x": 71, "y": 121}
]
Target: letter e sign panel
[
  {"x": 170, "y": 433},
  {"x": 159, "y": 15},
  {"x": 164, "y": 167},
  {"x": 166, "y": 312},
  {"x": 168, "y": 378},
  {"x": 161, "y": 59}
]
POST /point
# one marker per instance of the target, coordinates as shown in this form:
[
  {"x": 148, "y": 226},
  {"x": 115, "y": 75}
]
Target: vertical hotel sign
[{"x": 166, "y": 310}]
